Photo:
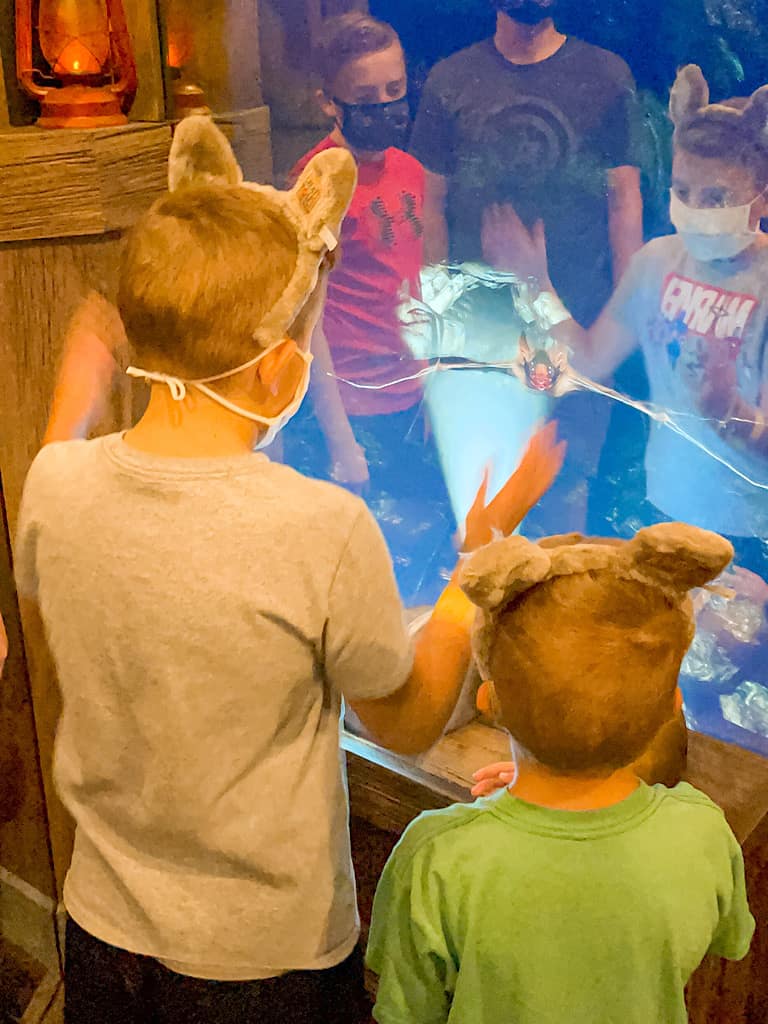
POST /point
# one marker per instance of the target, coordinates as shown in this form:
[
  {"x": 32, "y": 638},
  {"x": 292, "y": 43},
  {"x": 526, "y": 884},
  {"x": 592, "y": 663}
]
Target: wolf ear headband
[
  {"x": 673, "y": 557},
  {"x": 315, "y": 206},
  {"x": 689, "y": 101}
]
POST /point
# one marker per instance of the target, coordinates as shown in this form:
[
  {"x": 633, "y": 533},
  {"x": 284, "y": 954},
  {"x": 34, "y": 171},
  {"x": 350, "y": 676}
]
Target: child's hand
[
  {"x": 534, "y": 476},
  {"x": 508, "y": 245},
  {"x": 350, "y": 466},
  {"x": 493, "y": 777}
]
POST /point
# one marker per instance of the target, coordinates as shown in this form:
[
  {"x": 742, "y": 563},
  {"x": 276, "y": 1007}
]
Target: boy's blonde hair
[
  {"x": 200, "y": 271},
  {"x": 586, "y": 666},
  {"x": 346, "y": 38}
]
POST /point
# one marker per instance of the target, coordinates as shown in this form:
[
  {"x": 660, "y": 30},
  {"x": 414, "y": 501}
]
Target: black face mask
[
  {"x": 528, "y": 12},
  {"x": 374, "y": 127}
]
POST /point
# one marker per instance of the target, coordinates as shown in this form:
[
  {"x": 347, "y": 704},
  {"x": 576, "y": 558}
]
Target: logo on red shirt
[{"x": 407, "y": 214}]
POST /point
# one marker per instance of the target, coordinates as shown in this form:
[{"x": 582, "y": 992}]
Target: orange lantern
[{"x": 75, "y": 57}]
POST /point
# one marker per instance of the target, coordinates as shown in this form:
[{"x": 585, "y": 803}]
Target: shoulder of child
[
  {"x": 686, "y": 795},
  {"x": 431, "y": 826}
]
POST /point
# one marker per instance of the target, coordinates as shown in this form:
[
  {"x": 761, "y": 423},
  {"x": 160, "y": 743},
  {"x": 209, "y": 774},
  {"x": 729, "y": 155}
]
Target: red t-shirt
[{"x": 381, "y": 257}]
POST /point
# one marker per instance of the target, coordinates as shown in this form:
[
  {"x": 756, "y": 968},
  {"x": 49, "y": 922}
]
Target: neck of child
[
  {"x": 526, "y": 44},
  {"x": 536, "y": 784},
  {"x": 362, "y": 157},
  {"x": 196, "y": 427}
]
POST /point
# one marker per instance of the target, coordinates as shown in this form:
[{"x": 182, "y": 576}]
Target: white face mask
[
  {"x": 710, "y": 234},
  {"x": 274, "y": 424}
]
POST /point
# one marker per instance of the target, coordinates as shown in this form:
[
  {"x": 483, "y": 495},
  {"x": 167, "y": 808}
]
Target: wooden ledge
[
  {"x": 389, "y": 790},
  {"x": 68, "y": 183}
]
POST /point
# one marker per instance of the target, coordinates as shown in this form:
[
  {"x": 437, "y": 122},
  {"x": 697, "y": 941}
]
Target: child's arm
[
  {"x": 94, "y": 341},
  {"x": 412, "y": 718},
  {"x": 509, "y": 245},
  {"x": 349, "y": 464},
  {"x": 435, "y": 222},
  {"x": 625, "y": 217},
  {"x": 737, "y": 925},
  {"x": 406, "y": 947}
]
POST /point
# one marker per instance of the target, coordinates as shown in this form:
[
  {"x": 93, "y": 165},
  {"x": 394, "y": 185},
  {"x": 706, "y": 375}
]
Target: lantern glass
[{"x": 74, "y": 37}]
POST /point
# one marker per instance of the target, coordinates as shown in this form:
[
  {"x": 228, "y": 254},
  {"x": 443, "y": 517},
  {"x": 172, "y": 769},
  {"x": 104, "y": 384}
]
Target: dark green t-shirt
[{"x": 502, "y": 912}]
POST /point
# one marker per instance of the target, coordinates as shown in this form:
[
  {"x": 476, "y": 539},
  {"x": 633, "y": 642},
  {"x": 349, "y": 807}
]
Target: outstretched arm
[
  {"x": 414, "y": 717},
  {"x": 509, "y": 246},
  {"x": 94, "y": 343}
]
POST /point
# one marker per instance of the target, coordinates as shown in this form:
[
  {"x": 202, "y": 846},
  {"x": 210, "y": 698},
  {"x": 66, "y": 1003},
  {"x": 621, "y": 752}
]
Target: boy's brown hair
[
  {"x": 584, "y": 640},
  {"x": 589, "y": 693},
  {"x": 346, "y": 38},
  {"x": 200, "y": 271}
]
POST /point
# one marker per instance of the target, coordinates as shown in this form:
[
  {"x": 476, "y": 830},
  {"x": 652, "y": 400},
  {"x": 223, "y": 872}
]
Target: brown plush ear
[
  {"x": 756, "y": 114},
  {"x": 678, "y": 557},
  {"x": 689, "y": 94},
  {"x": 495, "y": 574}
]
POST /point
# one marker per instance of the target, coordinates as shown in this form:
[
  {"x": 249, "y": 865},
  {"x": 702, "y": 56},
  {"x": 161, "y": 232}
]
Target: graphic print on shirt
[
  {"x": 388, "y": 220},
  {"x": 694, "y": 316},
  {"x": 520, "y": 141}
]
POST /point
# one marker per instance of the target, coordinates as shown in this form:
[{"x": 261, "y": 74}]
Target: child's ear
[
  {"x": 487, "y": 701},
  {"x": 677, "y": 556},
  {"x": 274, "y": 363},
  {"x": 326, "y": 104},
  {"x": 689, "y": 94}
]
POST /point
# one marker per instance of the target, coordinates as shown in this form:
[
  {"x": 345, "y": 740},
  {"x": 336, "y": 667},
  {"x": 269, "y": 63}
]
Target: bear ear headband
[
  {"x": 689, "y": 101},
  {"x": 673, "y": 557}
]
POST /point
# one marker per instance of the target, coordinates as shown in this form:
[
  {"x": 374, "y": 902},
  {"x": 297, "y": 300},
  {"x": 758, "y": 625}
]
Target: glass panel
[{"x": 441, "y": 362}]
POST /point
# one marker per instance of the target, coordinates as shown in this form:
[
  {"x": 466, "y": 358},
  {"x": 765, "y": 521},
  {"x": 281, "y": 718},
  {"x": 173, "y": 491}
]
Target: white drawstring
[{"x": 177, "y": 387}]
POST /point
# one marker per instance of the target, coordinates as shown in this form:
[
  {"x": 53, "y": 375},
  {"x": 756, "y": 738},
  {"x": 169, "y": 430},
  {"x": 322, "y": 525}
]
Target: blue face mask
[{"x": 374, "y": 127}]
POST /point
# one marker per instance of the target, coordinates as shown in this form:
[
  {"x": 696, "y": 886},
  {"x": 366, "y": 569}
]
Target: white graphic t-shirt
[{"x": 679, "y": 308}]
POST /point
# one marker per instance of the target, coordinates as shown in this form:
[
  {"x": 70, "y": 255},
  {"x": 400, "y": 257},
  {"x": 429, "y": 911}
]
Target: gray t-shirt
[
  {"x": 678, "y": 308},
  {"x": 206, "y": 616}
]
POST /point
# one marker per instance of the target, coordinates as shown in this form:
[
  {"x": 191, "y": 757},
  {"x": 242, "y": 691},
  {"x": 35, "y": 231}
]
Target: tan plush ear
[
  {"x": 689, "y": 94},
  {"x": 497, "y": 573},
  {"x": 201, "y": 155},
  {"x": 678, "y": 557},
  {"x": 756, "y": 113},
  {"x": 323, "y": 192}
]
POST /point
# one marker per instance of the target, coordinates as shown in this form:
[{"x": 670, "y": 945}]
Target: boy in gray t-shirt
[
  {"x": 697, "y": 305},
  {"x": 208, "y": 610}
]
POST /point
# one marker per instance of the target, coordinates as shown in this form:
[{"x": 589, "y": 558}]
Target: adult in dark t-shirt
[{"x": 544, "y": 122}]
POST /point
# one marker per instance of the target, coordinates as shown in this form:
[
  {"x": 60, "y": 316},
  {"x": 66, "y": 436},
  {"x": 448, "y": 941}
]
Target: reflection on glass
[{"x": 494, "y": 273}]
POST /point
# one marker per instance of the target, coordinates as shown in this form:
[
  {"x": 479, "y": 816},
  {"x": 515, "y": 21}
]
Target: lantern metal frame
[{"x": 78, "y": 105}]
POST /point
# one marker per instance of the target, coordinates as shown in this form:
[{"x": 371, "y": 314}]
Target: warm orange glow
[{"x": 74, "y": 36}]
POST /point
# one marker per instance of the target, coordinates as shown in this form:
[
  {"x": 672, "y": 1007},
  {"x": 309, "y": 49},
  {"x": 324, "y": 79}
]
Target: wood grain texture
[
  {"x": 5, "y": 117},
  {"x": 144, "y": 29},
  {"x": 66, "y": 184},
  {"x": 23, "y": 838}
]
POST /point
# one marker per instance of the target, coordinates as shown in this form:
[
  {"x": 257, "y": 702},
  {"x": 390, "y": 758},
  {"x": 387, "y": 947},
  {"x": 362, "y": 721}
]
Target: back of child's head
[
  {"x": 734, "y": 130},
  {"x": 585, "y": 667},
  {"x": 347, "y": 38},
  {"x": 200, "y": 270},
  {"x": 584, "y": 641}
]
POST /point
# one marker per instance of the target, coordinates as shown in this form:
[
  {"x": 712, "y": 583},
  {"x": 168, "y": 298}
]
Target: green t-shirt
[{"x": 502, "y": 912}]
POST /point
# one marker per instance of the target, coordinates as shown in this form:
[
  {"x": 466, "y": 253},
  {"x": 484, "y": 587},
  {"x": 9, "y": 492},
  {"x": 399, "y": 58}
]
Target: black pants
[{"x": 106, "y": 985}]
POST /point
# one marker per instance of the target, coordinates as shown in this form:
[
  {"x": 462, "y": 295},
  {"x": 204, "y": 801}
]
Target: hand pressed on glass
[
  {"x": 510, "y": 246},
  {"x": 534, "y": 476}
]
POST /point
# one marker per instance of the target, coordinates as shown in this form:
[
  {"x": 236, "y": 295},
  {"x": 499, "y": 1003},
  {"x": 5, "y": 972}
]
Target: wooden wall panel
[
  {"x": 142, "y": 19},
  {"x": 24, "y": 837}
]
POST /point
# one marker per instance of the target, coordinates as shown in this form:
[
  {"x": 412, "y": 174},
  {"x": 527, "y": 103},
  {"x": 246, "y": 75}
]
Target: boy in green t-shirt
[{"x": 578, "y": 893}]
